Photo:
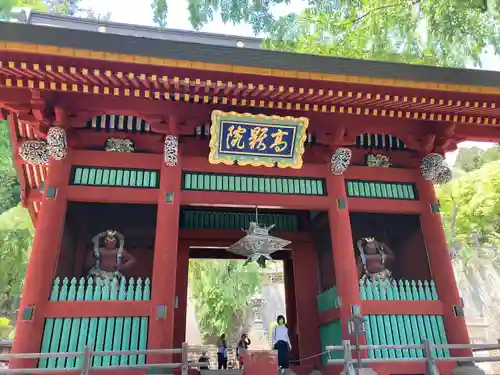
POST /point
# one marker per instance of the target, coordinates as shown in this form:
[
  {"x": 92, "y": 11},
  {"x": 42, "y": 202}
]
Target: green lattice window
[
  {"x": 115, "y": 177},
  {"x": 253, "y": 184},
  {"x": 379, "y": 189}
]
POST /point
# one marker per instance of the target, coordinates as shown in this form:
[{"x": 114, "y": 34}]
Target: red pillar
[
  {"x": 290, "y": 305},
  {"x": 42, "y": 263},
  {"x": 306, "y": 291},
  {"x": 161, "y": 323},
  {"x": 441, "y": 266},
  {"x": 181, "y": 290},
  {"x": 344, "y": 260}
]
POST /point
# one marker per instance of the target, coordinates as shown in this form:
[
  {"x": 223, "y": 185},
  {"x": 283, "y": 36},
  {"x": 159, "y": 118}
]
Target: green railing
[
  {"x": 86, "y": 289},
  {"x": 253, "y": 184},
  {"x": 383, "y": 190},
  {"x": 100, "y": 334},
  {"x": 203, "y": 219},
  {"x": 115, "y": 177},
  {"x": 398, "y": 290}
]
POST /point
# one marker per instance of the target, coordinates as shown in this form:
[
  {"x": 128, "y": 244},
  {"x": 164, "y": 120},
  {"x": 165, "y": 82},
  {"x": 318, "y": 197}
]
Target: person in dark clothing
[
  {"x": 281, "y": 342},
  {"x": 222, "y": 352},
  {"x": 204, "y": 361}
]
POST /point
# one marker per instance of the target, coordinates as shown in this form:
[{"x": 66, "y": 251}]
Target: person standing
[
  {"x": 222, "y": 352},
  {"x": 281, "y": 342},
  {"x": 242, "y": 348}
]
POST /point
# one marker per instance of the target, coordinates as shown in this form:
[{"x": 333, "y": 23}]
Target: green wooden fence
[
  {"x": 86, "y": 289},
  {"x": 102, "y": 334},
  {"x": 393, "y": 329}
]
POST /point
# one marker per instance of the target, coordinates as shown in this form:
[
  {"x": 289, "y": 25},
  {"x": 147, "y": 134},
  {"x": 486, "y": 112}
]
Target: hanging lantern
[
  {"x": 444, "y": 176},
  {"x": 341, "y": 159}
]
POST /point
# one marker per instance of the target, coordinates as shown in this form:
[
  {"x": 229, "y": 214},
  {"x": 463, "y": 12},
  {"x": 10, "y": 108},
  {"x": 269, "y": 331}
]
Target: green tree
[
  {"x": 10, "y": 190},
  {"x": 221, "y": 290},
  {"x": 471, "y": 213},
  {"x": 472, "y": 158},
  {"x": 434, "y": 32},
  {"x": 5, "y": 328}
]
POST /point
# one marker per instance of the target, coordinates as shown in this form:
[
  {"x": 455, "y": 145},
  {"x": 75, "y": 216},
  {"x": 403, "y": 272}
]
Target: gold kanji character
[
  {"x": 257, "y": 136},
  {"x": 234, "y": 137},
  {"x": 279, "y": 144}
]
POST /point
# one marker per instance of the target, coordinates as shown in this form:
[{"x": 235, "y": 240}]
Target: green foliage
[
  {"x": 472, "y": 158},
  {"x": 471, "y": 213},
  {"x": 433, "y": 32},
  {"x": 5, "y": 328},
  {"x": 221, "y": 290}
]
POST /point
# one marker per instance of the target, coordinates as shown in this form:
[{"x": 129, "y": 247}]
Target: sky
[{"x": 139, "y": 12}]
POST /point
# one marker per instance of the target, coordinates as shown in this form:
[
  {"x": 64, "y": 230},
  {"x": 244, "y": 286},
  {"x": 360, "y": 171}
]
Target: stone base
[{"x": 469, "y": 369}]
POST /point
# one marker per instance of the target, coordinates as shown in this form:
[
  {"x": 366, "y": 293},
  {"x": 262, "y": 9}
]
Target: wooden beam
[{"x": 93, "y": 309}]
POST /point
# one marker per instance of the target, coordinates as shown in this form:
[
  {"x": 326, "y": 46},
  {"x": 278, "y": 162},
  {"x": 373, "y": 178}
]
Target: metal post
[
  {"x": 431, "y": 362},
  {"x": 87, "y": 360},
  {"x": 184, "y": 368},
  {"x": 348, "y": 365}
]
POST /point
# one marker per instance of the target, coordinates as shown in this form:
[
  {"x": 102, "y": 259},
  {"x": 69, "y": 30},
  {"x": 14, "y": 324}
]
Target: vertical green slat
[
  {"x": 420, "y": 319},
  {"x": 85, "y": 176},
  {"x": 143, "y": 335},
  {"x": 373, "y": 323},
  {"x": 57, "y": 331},
  {"x": 66, "y": 328},
  {"x": 49, "y": 326},
  {"x": 363, "y": 295},
  {"x": 112, "y": 177},
  {"x": 380, "y": 321},
  {"x": 320, "y": 187},
  {"x": 105, "y": 177},
  {"x": 110, "y": 325},
  {"x": 101, "y": 326},
  {"x": 400, "y": 191},
  {"x": 427, "y": 320},
  {"x": 407, "y": 322},
  {"x": 117, "y": 342},
  {"x": 218, "y": 182},
  {"x": 384, "y": 286},
  {"x": 139, "y": 180},
  {"x": 85, "y": 323},
  {"x": 93, "y": 324},
  {"x": 127, "y": 326},
  {"x": 378, "y": 191},
  {"x": 401, "y": 323},
  {"x": 187, "y": 181},
  {"x": 412, "y": 194},
  {"x": 119, "y": 177},
  {"x": 440, "y": 323},
  {"x": 136, "y": 321},
  {"x": 75, "y": 327},
  {"x": 225, "y": 183},
  {"x": 413, "y": 319},
  {"x": 77, "y": 178},
  {"x": 274, "y": 188},
  {"x": 126, "y": 178},
  {"x": 383, "y": 189},
  {"x": 373, "y": 191},
  {"x": 92, "y": 174},
  {"x": 394, "y": 323},
  {"x": 98, "y": 176},
  {"x": 433, "y": 322}
]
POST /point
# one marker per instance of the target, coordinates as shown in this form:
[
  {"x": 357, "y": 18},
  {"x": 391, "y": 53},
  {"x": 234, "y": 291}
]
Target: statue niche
[
  {"x": 375, "y": 260},
  {"x": 109, "y": 261}
]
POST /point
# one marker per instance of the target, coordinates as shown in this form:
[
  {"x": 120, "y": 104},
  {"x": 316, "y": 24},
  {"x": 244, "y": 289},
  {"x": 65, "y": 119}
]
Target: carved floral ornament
[
  {"x": 434, "y": 168},
  {"x": 39, "y": 152},
  {"x": 378, "y": 160},
  {"x": 171, "y": 150},
  {"x": 340, "y": 161},
  {"x": 119, "y": 145}
]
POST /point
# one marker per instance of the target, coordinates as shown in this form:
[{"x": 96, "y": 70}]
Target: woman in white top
[{"x": 281, "y": 342}]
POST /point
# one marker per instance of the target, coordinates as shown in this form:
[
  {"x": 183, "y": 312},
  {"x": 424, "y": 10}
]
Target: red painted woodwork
[
  {"x": 117, "y": 159},
  {"x": 181, "y": 291},
  {"x": 441, "y": 268},
  {"x": 42, "y": 264},
  {"x": 291, "y": 306},
  {"x": 91, "y": 309},
  {"x": 305, "y": 274},
  {"x": 344, "y": 261},
  {"x": 402, "y": 307},
  {"x": 112, "y": 195},
  {"x": 161, "y": 331}
]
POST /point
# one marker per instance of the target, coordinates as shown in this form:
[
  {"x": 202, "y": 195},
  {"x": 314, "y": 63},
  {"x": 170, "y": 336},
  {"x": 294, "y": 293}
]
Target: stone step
[{"x": 222, "y": 372}]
